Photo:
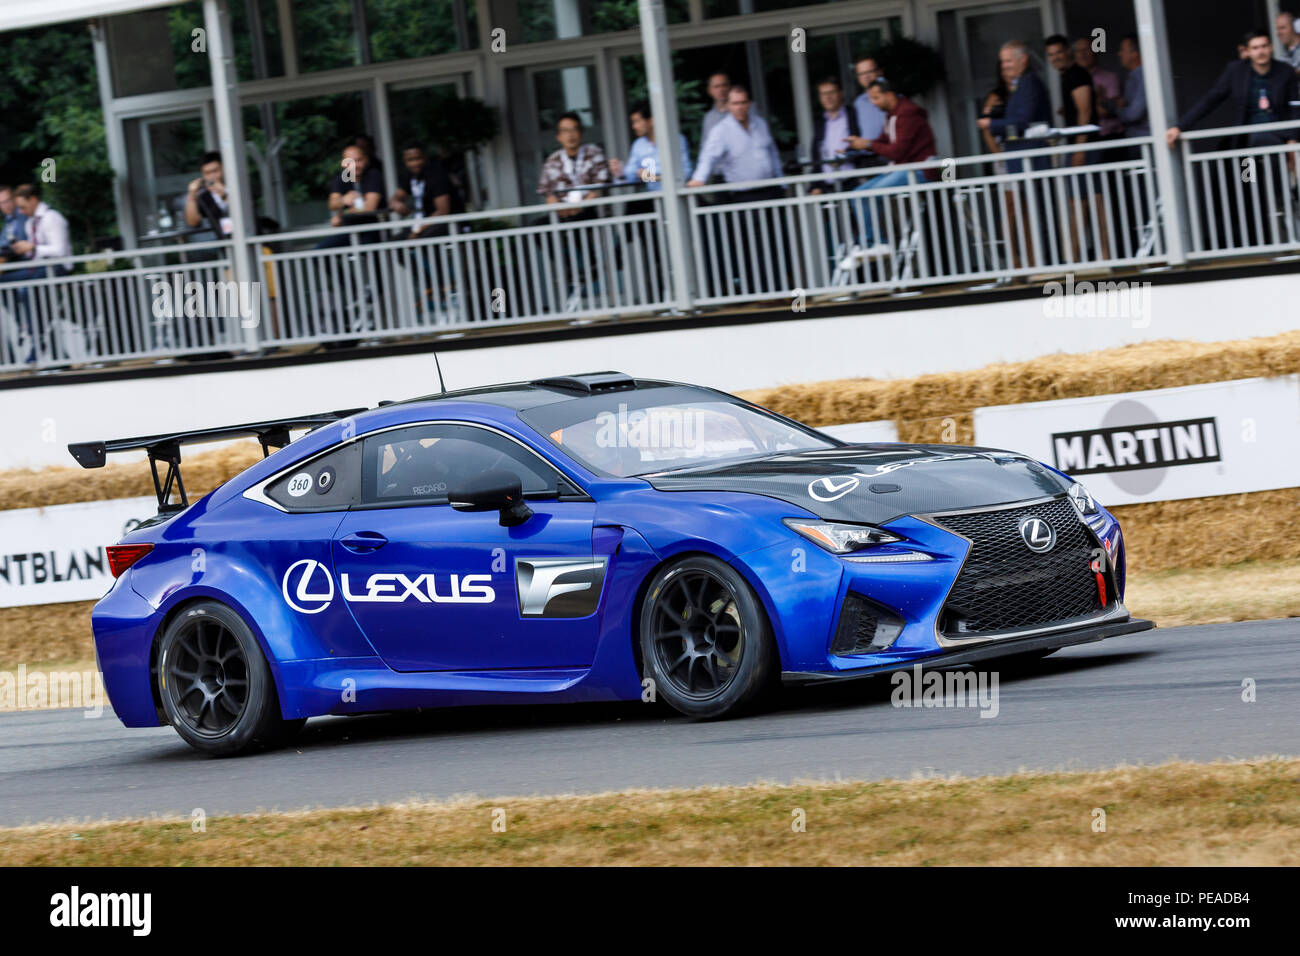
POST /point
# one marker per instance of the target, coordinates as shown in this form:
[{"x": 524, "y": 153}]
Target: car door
[{"x": 434, "y": 588}]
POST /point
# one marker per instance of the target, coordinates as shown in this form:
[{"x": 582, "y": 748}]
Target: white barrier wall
[{"x": 37, "y": 423}]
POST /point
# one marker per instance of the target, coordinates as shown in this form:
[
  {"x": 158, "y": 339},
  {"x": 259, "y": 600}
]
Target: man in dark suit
[
  {"x": 1028, "y": 105},
  {"x": 835, "y": 126},
  {"x": 1260, "y": 89}
]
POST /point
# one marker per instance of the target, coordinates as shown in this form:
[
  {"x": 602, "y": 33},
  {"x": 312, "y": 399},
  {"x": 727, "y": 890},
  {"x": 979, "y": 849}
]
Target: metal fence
[
  {"x": 120, "y": 305},
  {"x": 1241, "y": 193},
  {"x": 952, "y": 221},
  {"x": 972, "y": 220},
  {"x": 515, "y": 265}
]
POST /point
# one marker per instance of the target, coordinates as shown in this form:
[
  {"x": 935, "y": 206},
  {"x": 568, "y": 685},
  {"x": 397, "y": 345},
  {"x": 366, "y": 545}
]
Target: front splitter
[{"x": 989, "y": 651}]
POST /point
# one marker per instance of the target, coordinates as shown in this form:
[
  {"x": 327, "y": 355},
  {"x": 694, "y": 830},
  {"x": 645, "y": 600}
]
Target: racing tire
[
  {"x": 705, "y": 639},
  {"x": 215, "y": 685}
]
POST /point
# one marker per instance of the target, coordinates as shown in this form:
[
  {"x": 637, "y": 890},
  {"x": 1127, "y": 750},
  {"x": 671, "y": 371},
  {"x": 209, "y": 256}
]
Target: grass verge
[{"x": 1176, "y": 814}]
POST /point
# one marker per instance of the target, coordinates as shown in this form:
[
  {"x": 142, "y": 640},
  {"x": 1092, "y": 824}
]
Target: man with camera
[{"x": 206, "y": 201}]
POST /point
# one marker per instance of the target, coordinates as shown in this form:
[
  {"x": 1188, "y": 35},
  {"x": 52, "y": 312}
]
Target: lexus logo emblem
[
  {"x": 297, "y": 584},
  {"x": 1038, "y": 534},
  {"x": 832, "y": 489}
]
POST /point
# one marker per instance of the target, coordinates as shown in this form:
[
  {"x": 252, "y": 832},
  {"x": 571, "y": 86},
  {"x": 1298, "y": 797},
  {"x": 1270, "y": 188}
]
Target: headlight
[
  {"x": 1083, "y": 500},
  {"x": 840, "y": 538}
]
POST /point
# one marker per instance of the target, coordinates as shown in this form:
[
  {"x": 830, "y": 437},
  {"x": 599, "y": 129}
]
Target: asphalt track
[{"x": 1144, "y": 698}]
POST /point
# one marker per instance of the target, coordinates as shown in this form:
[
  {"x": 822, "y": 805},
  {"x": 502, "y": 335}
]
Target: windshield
[{"x": 622, "y": 442}]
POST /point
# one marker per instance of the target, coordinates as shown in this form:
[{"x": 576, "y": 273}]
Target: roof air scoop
[{"x": 590, "y": 383}]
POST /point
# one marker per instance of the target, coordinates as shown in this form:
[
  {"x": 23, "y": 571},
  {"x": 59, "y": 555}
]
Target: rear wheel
[
  {"x": 215, "y": 685},
  {"x": 705, "y": 640}
]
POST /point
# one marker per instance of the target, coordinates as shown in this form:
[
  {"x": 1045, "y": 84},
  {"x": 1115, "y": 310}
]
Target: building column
[
  {"x": 497, "y": 157},
  {"x": 1153, "y": 40},
  {"x": 800, "y": 88},
  {"x": 663, "y": 104},
  {"x": 113, "y": 138},
  {"x": 230, "y": 139}
]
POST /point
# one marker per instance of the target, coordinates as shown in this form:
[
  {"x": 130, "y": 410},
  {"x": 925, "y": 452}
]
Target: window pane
[
  {"x": 541, "y": 20},
  {"x": 422, "y": 463},
  {"x": 326, "y": 32},
  {"x": 657, "y": 438},
  {"x": 731, "y": 8},
  {"x": 406, "y": 29},
  {"x": 312, "y": 133},
  {"x": 242, "y": 24},
  {"x": 163, "y": 156}
]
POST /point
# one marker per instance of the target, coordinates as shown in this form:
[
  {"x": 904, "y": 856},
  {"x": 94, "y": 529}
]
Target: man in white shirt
[
  {"x": 871, "y": 118},
  {"x": 47, "y": 230},
  {"x": 719, "y": 87},
  {"x": 741, "y": 147},
  {"x": 47, "y": 238}
]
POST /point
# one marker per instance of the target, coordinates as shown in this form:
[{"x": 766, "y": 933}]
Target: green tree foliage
[
  {"x": 49, "y": 109},
  {"x": 405, "y": 29},
  {"x": 913, "y": 67}
]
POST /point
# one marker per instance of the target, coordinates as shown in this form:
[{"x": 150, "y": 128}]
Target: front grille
[{"x": 1004, "y": 586}]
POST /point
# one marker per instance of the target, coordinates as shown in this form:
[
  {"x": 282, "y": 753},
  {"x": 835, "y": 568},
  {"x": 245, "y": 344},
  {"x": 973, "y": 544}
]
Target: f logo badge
[{"x": 1037, "y": 534}]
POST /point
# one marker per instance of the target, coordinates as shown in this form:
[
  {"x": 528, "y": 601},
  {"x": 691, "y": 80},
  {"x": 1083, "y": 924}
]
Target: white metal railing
[
  {"x": 124, "y": 306},
  {"x": 489, "y": 268},
  {"x": 1242, "y": 199},
  {"x": 972, "y": 222},
  {"x": 977, "y": 222}
]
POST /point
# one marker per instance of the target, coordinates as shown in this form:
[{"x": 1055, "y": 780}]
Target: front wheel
[
  {"x": 705, "y": 640},
  {"x": 215, "y": 685}
]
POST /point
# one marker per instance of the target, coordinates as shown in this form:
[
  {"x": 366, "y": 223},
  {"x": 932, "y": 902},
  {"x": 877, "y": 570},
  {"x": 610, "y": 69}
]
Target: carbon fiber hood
[{"x": 877, "y": 483}]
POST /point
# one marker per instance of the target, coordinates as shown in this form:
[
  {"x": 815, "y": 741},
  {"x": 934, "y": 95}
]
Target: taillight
[{"x": 122, "y": 556}]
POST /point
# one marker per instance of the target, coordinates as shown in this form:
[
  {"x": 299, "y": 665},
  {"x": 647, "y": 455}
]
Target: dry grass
[
  {"x": 1246, "y": 592},
  {"x": 1177, "y": 814}
]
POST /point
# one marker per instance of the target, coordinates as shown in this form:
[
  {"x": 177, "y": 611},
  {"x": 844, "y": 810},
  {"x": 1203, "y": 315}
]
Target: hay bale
[
  {"x": 924, "y": 402},
  {"x": 58, "y": 485}
]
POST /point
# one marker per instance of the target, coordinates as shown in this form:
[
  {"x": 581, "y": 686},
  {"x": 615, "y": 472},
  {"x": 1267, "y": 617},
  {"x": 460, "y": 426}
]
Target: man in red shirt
[{"x": 906, "y": 138}]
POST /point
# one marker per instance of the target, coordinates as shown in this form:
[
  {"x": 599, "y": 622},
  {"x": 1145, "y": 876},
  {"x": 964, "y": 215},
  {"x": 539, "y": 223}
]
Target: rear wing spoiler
[{"x": 166, "y": 448}]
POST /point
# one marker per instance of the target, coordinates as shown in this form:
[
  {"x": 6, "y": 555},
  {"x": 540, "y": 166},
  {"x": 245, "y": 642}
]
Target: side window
[
  {"x": 331, "y": 482},
  {"x": 418, "y": 465}
]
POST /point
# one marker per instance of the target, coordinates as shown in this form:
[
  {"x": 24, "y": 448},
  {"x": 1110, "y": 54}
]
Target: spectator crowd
[{"x": 871, "y": 140}]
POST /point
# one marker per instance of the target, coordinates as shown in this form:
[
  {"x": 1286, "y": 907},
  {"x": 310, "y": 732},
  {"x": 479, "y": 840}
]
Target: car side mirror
[{"x": 496, "y": 490}]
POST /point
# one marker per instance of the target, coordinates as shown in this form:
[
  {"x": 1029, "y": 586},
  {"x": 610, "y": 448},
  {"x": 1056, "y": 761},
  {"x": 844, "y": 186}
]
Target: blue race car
[{"x": 590, "y": 537}]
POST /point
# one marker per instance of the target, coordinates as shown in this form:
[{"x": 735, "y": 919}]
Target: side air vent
[
  {"x": 590, "y": 383},
  {"x": 865, "y": 627}
]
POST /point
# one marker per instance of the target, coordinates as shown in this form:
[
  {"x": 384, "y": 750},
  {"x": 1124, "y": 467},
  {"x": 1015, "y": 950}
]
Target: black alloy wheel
[
  {"x": 215, "y": 685},
  {"x": 705, "y": 640}
]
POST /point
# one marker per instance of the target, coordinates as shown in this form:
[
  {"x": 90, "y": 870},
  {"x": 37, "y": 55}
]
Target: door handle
[{"x": 363, "y": 542}]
